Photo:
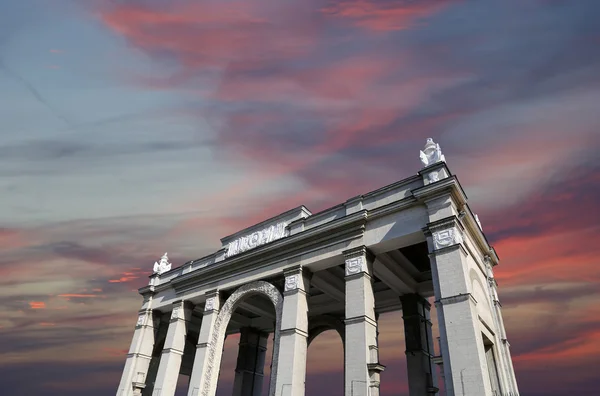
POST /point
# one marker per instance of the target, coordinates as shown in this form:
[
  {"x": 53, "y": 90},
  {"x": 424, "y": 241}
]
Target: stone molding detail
[
  {"x": 175, "y": 313},
  {"x": 355, "y": 265},
  {"x": 433, "y": 177},
  {"x": 218, "y": 336},
  {"x": 210, "y": 304},
  {"x": 447, "y": 237},
  {"x": 291, "y": 282}
]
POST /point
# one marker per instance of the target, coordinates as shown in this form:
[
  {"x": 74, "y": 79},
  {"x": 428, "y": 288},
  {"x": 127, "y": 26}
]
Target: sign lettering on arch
[{"x": 257, "y": 238}]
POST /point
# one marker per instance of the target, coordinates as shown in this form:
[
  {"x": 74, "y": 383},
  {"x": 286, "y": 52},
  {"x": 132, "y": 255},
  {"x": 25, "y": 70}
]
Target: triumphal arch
[{"x": 300, "y": 273}]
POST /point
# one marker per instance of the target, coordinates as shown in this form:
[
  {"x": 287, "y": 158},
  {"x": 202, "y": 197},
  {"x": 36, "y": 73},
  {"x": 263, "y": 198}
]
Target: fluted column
[
  {"x": 207, "y": 328},
  {"x": 291, "y": 365},
  {"x": 361, "y": 367},
  {"x": 170, "y": 360},
  {"x": 140, "y": 353},
  {"x": 422, "y": 379}
]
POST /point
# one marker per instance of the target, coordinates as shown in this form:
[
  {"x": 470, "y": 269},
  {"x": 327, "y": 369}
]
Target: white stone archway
[{"x": 218, "y": 336}]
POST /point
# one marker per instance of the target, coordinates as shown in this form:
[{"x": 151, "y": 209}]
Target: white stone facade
[{"x": 385, "y": 251}]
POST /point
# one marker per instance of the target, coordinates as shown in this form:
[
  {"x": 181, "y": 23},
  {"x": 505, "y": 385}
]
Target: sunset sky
[{"x": 131, "y": 128}]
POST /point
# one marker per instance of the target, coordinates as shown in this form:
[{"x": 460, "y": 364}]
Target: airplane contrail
[{"x": 32, "y": 90}]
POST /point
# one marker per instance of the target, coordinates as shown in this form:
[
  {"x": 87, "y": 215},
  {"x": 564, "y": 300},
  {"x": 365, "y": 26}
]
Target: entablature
[{"x": 306, "y": 232}]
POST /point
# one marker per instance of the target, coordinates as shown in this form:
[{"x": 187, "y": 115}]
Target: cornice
[
  {"x": 389, "y": 187},
  {"x": 446, "y": 222},
  {"x": 434, "y": 167},
  {"x": 347, "y": 227},
  {"x": 146, "y": 291},
  {"x": 478, "y": 236},
  {"x": 449, "y": 185},
  {"x": 395, "y": 206}
]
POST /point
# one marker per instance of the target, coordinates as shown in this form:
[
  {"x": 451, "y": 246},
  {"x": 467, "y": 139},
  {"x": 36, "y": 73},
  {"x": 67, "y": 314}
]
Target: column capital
[
  {"x": 213, "y": 301},
  {"x": 296, "y": 279},
  {"x": 144, "y": 318},
  {"x": 358, "y": 260},
  {"x": 444, "y": 233},
  {"x": 359, "y": 251},
  {"x": 182, "y": 309}
]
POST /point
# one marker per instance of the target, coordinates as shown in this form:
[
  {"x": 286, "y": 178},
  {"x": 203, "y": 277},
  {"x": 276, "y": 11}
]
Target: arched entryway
[
  {"x": 215, "y": 349},
  {"x": 325, "y": 360}
]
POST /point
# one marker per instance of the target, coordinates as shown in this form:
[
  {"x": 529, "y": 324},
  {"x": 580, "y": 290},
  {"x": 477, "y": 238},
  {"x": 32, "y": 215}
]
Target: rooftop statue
[
  {"x": 163, "y": 265},
  {"x": 432, "y": 153}
]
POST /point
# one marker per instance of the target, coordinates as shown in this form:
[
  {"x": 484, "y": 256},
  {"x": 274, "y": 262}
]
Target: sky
[{"x": 131, "y": 128}]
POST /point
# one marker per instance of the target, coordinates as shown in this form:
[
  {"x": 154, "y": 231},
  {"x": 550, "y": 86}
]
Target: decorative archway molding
[{"x": 217, "y": 341}]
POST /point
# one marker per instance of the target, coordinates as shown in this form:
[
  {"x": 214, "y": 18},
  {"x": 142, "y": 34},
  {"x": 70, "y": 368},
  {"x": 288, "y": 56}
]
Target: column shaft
[
  {"x": 170, "y": 361},
  {"x": 291, "y": 364},
  {"x": 211, "y": 313},
  {"x": 140, "y": 353},
  {"x": 461, "y": 340},
  {"x": 249, "y": 370},
  {"x": 422, "y": 379},
  {"x": 161, "y": 328},
  {"x": 361, "y": 363}
]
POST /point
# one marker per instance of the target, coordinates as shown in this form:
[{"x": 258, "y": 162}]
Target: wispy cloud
[{"x": 256, "y": 107}]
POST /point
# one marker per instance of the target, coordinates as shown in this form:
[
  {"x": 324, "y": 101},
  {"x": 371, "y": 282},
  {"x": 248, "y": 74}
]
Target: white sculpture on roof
[
  {"x": 163, "y": 265},
  {"x": 432, "y": 153}
]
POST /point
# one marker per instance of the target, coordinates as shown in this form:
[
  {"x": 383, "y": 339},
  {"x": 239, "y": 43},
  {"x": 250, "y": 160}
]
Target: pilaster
[
  {"x": 291, "y": 365},
  {"x": 170, "y": 360},
  {"x": 212, "y": 308},
  {"x": 139, "y": 356},
  {"x": 505, "y": 368},
  {"x": 361, "y": 364}
]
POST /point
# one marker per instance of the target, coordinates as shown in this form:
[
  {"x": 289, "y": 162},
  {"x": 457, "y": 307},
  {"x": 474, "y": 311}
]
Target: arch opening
[
  {"x": 326, "y": 343},
  {"x": 245, "y": 298}
]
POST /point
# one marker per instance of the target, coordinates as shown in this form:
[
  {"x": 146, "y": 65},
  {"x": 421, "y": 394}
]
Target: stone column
[
  {"x": 170, "y": 361},
  {"x": 161, "y": 327},
  {"x": 207, "y": 328},
  {"x": 293, "y": 344},
  {"x": 140, "y": 353},
  {"x": 361, "y": 360},
  {"x": 249, "y": 371},
  {"x": 463, "y": 354},
  {"x": 422, "y": 379}
]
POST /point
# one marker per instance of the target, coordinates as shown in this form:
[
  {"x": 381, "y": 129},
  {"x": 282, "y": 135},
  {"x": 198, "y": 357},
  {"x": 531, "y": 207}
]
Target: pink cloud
[
  {"x": 80, "y": 295},
  {"x": 385, "y": 16},
  {"x": 208, "y": 35}
]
